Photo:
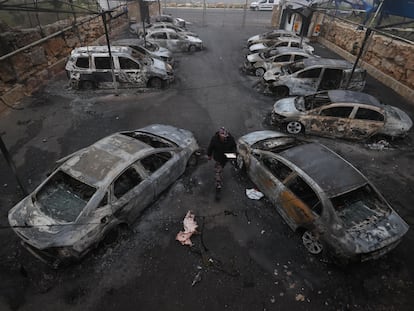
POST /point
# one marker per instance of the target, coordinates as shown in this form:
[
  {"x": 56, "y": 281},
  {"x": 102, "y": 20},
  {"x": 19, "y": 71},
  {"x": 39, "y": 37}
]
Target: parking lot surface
[{"x": 245, "y": 257}]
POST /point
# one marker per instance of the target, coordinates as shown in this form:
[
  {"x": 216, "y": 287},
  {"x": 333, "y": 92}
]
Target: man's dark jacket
[{"x": 217, "y": 148}]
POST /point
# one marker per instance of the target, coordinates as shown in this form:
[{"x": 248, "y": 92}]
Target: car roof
[
  {"x": 329, "y": 62},
  {"x": 340, "y": 96},
  {"x": 151, "y": 31},
  {"x": 293, "y": 39},
  {"x": 105, "y": 158},
  {"x": 100, "y": 49},
  {"x": 333, "y": 174},
  {"x": 286, "y": 49},
  {"x": 129, "y": 41}
]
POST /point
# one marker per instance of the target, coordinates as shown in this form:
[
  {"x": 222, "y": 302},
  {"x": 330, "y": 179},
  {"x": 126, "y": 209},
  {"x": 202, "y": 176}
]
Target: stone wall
[
  {"x": 41, "y": 56},
  {"x": 384, "y": 56}
]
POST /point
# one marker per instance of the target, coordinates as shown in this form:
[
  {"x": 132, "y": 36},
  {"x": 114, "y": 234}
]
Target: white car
[
  {"x": 283, "y": 42},
  {"x": 263, "y": 5},
  {"x": 173, "y": 41},
  {"x": 270, "y": 36}
]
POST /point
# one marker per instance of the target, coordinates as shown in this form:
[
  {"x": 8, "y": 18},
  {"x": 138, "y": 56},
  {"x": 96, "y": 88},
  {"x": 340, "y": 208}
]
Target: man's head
[{"x": 223, "y": 133}]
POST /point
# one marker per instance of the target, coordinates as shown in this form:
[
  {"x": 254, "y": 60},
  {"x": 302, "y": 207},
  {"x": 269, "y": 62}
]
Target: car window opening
[
  {"x": 305, "y": 193},
  {"x": 359, "y": 205},
  {"x": 153, "y": 141},
  {"x": 126, "y": 181},
  {"x": 64, "y": 197},
  {"x": 154, "y": 161}
]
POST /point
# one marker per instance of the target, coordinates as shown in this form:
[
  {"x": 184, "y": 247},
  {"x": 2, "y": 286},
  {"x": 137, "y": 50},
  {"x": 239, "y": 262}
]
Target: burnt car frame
[
  {"x": 98, "y": 189},
  {"x": 174, "y": 41},
  {"x": 258, "y": 63},
  {"x": 311, "y": 75},
  {"x": 340, "y": 113},
  {"x": 347, "y": 216},
  {"x": 270, "y": 36}
]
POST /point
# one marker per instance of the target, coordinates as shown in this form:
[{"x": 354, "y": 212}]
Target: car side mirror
[{"x": 104, "y": 220}]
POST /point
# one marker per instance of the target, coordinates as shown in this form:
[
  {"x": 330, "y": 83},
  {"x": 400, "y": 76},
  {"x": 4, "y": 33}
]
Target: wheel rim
[
  {"x": 311, "y": 243},
  {"x": 259, "y": 72},
  {"x": 294, "y": 127},
  {"x": 156, "y": 83}
]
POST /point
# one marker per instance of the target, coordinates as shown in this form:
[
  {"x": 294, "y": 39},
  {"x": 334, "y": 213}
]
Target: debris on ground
[
  {"x": 190, "y": 227},
  {"x": 379, "y": 145},
  {"x": 300, "y": 297},
  {"x": 254, "y": 194},
  {"x": 197, "y": 278}
]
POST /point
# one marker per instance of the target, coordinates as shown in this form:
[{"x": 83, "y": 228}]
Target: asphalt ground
[{"x": 245, "y": 257}]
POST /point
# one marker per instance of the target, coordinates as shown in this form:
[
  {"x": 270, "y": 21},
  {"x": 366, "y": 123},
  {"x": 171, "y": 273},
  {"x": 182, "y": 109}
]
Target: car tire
[
  {"x": 192, "y": 48},
  {"x": 88, "y": 85},
  {"x": 256, "y": 8},
  {"x": 294, "y": 127},
  {"x": 155, "y": 83},
  {"x": 259, "y": 72},
  {"x": 311, "y": 243}
]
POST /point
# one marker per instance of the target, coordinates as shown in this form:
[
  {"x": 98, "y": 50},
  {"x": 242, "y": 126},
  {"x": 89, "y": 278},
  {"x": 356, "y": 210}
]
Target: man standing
[{"x": 222, "y": 142}]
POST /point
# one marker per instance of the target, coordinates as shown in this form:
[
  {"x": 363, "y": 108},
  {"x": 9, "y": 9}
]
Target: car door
[
  {"x": 160, "y": 38},
  {"x": 365, "y": 122},
  {"x": 163, "y": 168},
  {"x": 103, "y": 72},
  {"x": 332, "y": 120},
  {"x": 330, "y": 79},
  {"x": 130, "y": 73},
  {"x": 131, "y": 192},
  {"x": 305, "y": 81},
  {"x": 176, "y": 42}
]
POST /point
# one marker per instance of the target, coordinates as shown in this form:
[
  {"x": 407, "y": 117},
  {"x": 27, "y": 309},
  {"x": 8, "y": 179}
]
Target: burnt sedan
[
  {"x": 99, "y": 188},
  {"x": 340, "y": 113},
  {"x": 347, "y": 216}
]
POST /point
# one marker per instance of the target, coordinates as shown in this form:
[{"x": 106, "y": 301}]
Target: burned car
[
  {"x": 147, "y": 48},
  {"x": 258, "y": 63},
  {"x": 270, "y": 36},
  {"x": 161, "y": 25},
  {"x": 347, "y": 216},
  {"x": 293, "y": 42},
  {"x": 99, "y": 188},
  {"x": 340, "y": 113},
  {"x": 90, "y": 67},
  {"x": 169, "y": 19},
  {"x": 311, "y": 75},
  {"x": 173, "y": 41}
]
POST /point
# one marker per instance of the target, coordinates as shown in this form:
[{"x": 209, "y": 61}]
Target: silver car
[
  {"x": 98, "y": 188},
  {"x": 161, "y": 25},
  {"x": 270, "y": 36},
  {"x": 147, "y": 48},
  {"x": 340, "y": 113},
  {"x": 283, "y": 41},
  {"x": 173, "y": 41},
  {"x": 322, "y": 196},
  {"x": 258, "y": 63}
]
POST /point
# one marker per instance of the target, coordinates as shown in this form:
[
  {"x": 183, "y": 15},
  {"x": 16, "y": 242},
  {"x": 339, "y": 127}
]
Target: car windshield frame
[{"x": 64, "y": 197}]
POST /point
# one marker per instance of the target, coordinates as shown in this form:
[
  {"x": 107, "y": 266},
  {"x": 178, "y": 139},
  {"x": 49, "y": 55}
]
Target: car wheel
[
  {"x": 259, "y": 72},
  {"x": 88, "y": 85},
  {"x": 155, "y": 83},
  {"x": 192, "y": 48},
  {"x": 256, "y": 8},
  {"x": 311, "y": 243},
  {"x": 294, "y": 127}
]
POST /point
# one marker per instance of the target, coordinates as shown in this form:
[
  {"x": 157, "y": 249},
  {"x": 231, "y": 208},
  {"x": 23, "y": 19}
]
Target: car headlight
[{"x": 169, "y": 67}]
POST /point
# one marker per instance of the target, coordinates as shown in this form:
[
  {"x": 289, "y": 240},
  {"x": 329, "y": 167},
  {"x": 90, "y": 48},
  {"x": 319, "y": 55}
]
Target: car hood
[
  {"x": 252, "y": 58},
  {"x": 38, "y": 229},
  {"x": 254, "y": 137},
  {"x": 162, "y": 52},
  {"x": 181, "y": 137},
  {"x": 372, "y": 235},
  {"x": 254, "y": 38},
  {"x": 286, "y": 107},
  {"x": 258, "y": 47},
  {"x": 159, "y": 65},
  {"x": 193, "y": 39},
  {"x": 397, "y": 120}
]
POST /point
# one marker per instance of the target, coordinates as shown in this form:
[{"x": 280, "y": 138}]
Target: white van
[
  {"x": 89, "y": 67},
  {"x": 263, "y": 5}
]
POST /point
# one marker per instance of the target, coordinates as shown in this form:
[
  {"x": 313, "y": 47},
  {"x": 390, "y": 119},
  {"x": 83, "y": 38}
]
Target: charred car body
[
  {"x": 346, "y": 216},
  {"x": 173, "y": 41},
  {"x": 161, "y": 25},
  {"x": 90, "y": 67},
  {"x": 293, "y": 42},
  {"x": 258, "y": 63},
  {"x": 311, "y": 75},
  {"x": 147, "y": 48},
  {"x": 98, "y": 188},
  {"x": 270, "y": 36},
  {"x": 340, "y": 113}
]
